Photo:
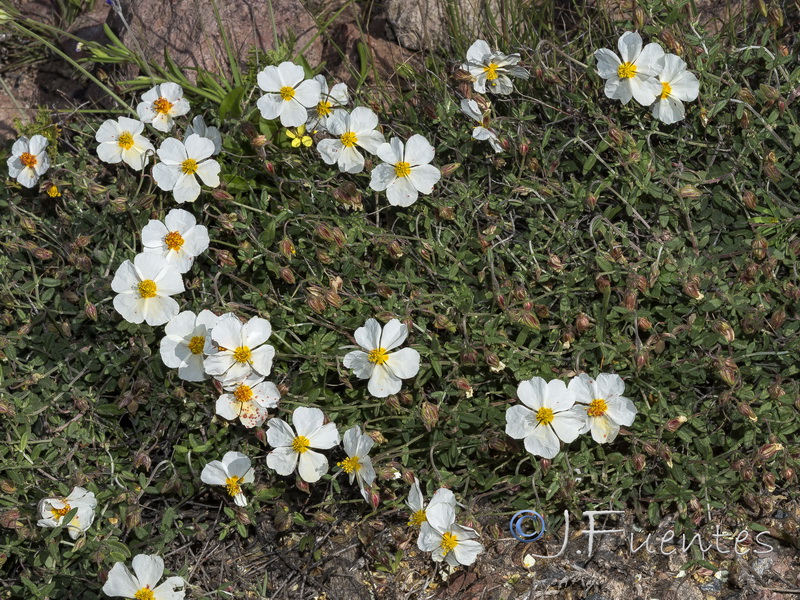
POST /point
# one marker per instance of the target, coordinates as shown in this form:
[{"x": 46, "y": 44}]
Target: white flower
[
  {"x": 186, "y": 339},
  {"x": 419, "y": 514},
  {"x": 199, "y": 127},
  {"x": 337, "y": 97},
  {"x": 405, "y": 173},
  {"x": 470, "y": 108},
  {"x": 179, "y": 239},
  {"x": 142, "y": 586},
  {"x": 447, "y": 540},
  {"x": 241, "y": 349},
  {"x": 53, "y": 511},
  {"x": 295, "y": 450},
  {"x": 232, "y": 472},
  {"x": 385, "y": 371},
  {"x": 492, "y": 69},
  {"x": 358, "y": 464},
  {"x": 161, "y": 104},
  {"x": 354, "y": 129},
  {"x": 554, "y": 416},
  {"x": 144, "y": 287},
  {"x": 634, "y": 75},
  {"x": 606, "y": 407},
  {"x": 676, "y": 84},
  {"x": 28, "y": 160},
  {"x": 122, "y": 140},
  {"x": 289, "y": 95},
  {"x": 249, "y": 401},
  {"x": 181, "y": 162}
]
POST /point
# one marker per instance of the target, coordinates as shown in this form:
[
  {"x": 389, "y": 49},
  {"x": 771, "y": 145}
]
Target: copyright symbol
[{"x": 519, "y": 519}]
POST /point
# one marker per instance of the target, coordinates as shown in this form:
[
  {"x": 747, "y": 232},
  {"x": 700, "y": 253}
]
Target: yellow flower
[
  {"x": 299, "y": 136},
  {"x": 53, "y": 192}
]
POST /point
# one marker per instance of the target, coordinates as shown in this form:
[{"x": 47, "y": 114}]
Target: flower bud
[
  {"x": 91, "y": 311},
  {"x": 775, "y": 16},
  {"x": 639, "y": 462},
  {"x": 670, "y": 42},
  {"x": 582, "y": 323},
  {"x": 723, "y": 328},
  {"x": 225, "y": 258},
  {"x": 119, "y": 205},
  {"x": 666, "y": 455},
  {"x": 7, "y": 487},
  {"x": 545, "y": 464},
  {"x": 555, "y": 263},
  {"x": 302, "y": 485},
  {"x": 728, "y": 371},
  {"x": 769, "y": 482},
  {"x": 629, "y": 299},
  {"x": 333, "y": 299},
  {"x": 524, "y": 146},
  {"x": 641, "y": 359},
  {"x": 219, "y": 194},
  {"x": 446, "y": 213},
  {"x": 768, "y": 451},
  {"x": 776, "y": 391},
  {"x": 602, "y": 283},
  {"x": 316, "y": 303},
  {"x": 395, "y": 249},
  {"x": 759, "y": 247},
  {"x": 777, "y": 319},
  {"x": 789, "y": 474},
  {"x": 374, "y": 497},
  {"x": 377, "y": 437},
  {"x": 287, "y": 275},
  {"x": 286, "y": 248},
  {"x": 590, "y": 202},
  {"x": 442, "y": 322},
  {"x": 690, "y": 192},
  {"x": 617, "y": 136},
  {"x": 692, "y": 288},
  {"x": 644, "y": 324},
  {"x": 9, "y": 519},
  {"x": 388, "y": 472},
  {"x": 674, "y": 424},
  {"x": 462, "y": 384},
  {"x": 430, "y": 415},
  {"x": 638, "y": 17},
  {"x": 772, "y": 172},
  {"x": 533, "y": 164},
  {"x": 393, "y": 402},
  {"x": 142, "y": 460},
  {"x": 42, "y": 253},
  {"x": 260, "y": 141},
  {"x": 749, "y": 199},
  {"x": 745, "y": 95},
  {"x": 469, "y": 356},
  {"x": 133, "y": 519},
  {"x": 408, "y": 476},
  {"x": 449, "y": 169},
  {"x": 324, "y": 232},
  {"x": 746, "y": 411}
]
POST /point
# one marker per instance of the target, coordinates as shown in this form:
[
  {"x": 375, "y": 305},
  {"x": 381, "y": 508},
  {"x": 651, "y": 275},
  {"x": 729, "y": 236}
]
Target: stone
[
  {"x": 189, "y": 32},
  {"x": 422, "y": 24}
]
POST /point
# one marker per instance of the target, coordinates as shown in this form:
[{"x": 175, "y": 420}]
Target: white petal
[
  {"x": 518, "y": 424},
  {"x": 279, "y": 433},
  {"x": 312, "y": 465},
  {"x": 369, "y": 336},
  {"x": 382, "y": 382},
  {"x": 424, "y": 177},
  {"x": 543, "y": 442},
  {"x": 214, "y": 473},
  {"x": 270, "y": 106},
  {"x": 394, "y": 333},
  {"x": 401, "y": 192},
  {"x": 404, "y": 363},
  {"x": 120, "y": 582},
  {"x": 148, "y": 569},
  {"x": 418, "y": 150},
  {"x": 607, "y": 63},
  {"x": 630, "y": 45},
  {"x": 324, "y": 437},
  {"x": 359, "y": 362},
  {"x": 283, "y": 460},
  {"x": 382, "y": 176}
]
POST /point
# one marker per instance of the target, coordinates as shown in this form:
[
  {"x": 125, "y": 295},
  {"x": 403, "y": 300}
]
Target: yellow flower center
[
  {"x": 300, "y": 444},
  {"x": 597, "y": 408},
  {"x": 544, "y": 415},
  {"x": 402, "y": 169},
  {"x": 449, "y": 542},
  {"x": 147, "y": 288},
  {"x": 243, "y": 393},
  {"x": 418, "y": 518},
  {"x": 196, "y": 344},
  {"x": 173, "y": 240},
  {"x": 349, "y": 465},
  {"x": 626, "y": 70},
  {"x": 125, "y": 140},
  {"x": 242, "y": 354},
  {"x": 324, "y": 108},
  {"x": 232, "y": 485},
  {"x": 60, "y": 512},
  {"x": 28, "y": 159},
  {"x": 491, "y": 71},
  {"x": 189, "y": 166},
  {"x": 145, "y": 594},
  {"x": 378, "y": 356},
  {"x": 53, "y": 192},
  {"x": 287, "y": 93},
  {"x": 162, "y": 106},
  {"x": 348, "y": 139},
  {"x": 666, "y": 90}
]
